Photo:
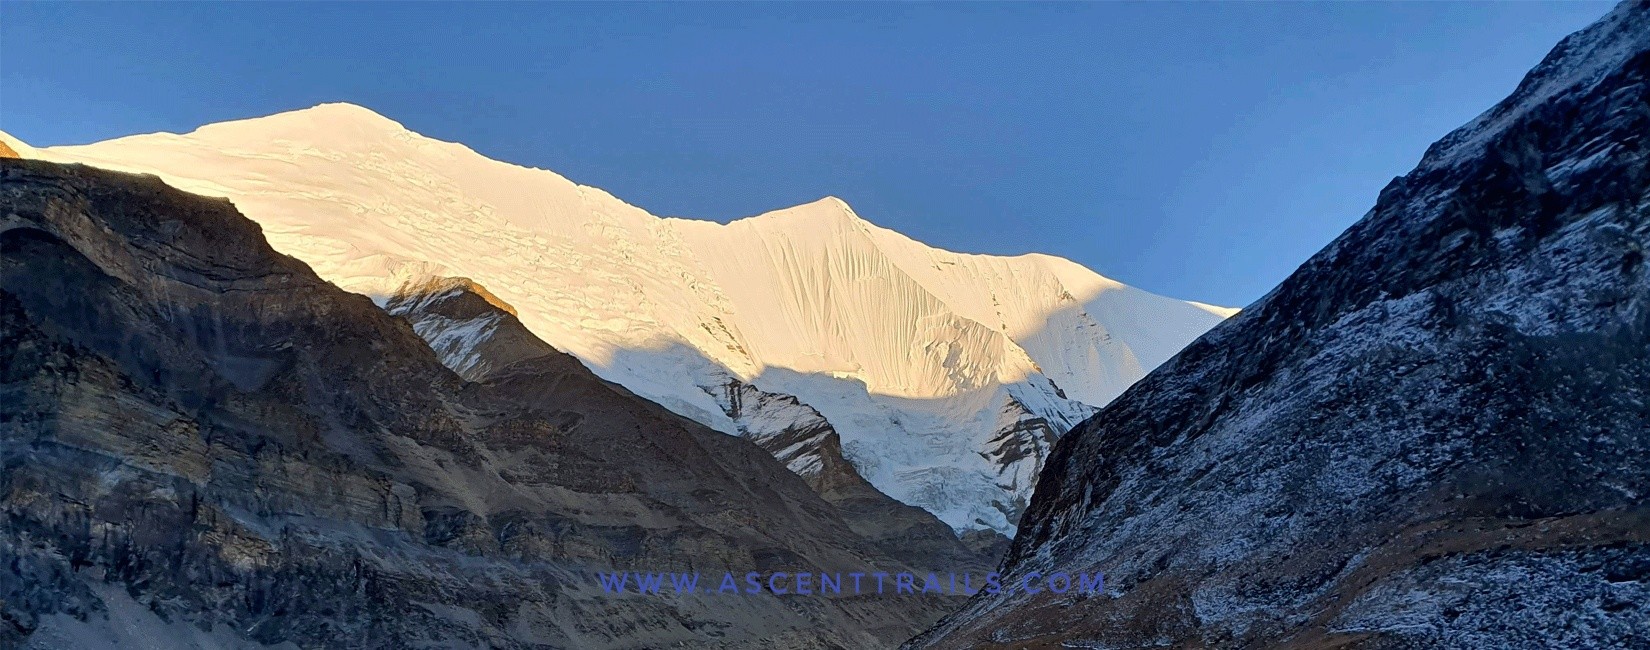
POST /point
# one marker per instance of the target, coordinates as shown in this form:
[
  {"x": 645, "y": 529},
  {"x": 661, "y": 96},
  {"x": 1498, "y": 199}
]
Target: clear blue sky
[{"x": 1201, "y": 150}]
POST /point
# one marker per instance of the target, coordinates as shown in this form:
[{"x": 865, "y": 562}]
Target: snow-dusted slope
[
  {"x": 1434, "y": 434},
  {"x": 947, "y": 375}
]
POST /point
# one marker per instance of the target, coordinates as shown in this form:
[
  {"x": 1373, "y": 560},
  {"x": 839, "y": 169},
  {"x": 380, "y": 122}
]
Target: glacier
[{"x": 947, "y": 375}]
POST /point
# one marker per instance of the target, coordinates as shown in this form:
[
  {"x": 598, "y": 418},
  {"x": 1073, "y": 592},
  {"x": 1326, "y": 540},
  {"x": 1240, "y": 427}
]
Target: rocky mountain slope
[
  {"x": 204, "y": 444},
  {"x": 480, "y": 337},
  {"x": 1435, "y": 434},
  {"x": 945, "y": 376}
]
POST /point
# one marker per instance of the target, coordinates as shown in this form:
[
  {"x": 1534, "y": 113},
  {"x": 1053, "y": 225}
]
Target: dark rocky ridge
[
  {"x": 203, "y": 442},
  {"x": 1435, "y": 434},
  {"x": 479, "y": 336}
]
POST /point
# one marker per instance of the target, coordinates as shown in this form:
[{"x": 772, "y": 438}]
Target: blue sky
[{"x": 1201, "y": 151}]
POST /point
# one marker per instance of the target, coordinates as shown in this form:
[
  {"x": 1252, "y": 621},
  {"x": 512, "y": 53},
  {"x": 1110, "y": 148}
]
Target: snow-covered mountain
[{"x": 946, "y": 375}]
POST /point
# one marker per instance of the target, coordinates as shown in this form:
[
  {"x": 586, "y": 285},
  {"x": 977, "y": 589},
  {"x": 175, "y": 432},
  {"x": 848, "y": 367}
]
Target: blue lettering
[{"x": 810, "y": 583}]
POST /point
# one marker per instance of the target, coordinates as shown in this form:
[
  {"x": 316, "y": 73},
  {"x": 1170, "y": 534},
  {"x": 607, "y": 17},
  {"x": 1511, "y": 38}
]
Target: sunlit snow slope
[{"x": 946, "y": 375}]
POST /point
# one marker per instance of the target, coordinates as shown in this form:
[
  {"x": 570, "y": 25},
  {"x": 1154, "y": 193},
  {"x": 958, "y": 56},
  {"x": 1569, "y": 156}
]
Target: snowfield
[{"x": 947, "y": 375}]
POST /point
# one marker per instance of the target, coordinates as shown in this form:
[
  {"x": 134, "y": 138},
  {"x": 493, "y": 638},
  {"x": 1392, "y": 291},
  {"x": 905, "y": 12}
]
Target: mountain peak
[
  {"x": 825, "y": 210},
  {"x": 343, "y": 110},
  {"x": 329, "y": 122},
  {"x": 343, "y": 113},
  {"x": 835, "y": 202},
  {"x": 833, "y": 207}
]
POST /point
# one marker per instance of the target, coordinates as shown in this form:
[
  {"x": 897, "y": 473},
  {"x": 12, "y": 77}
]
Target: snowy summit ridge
[{"x": 947, "y": 375}]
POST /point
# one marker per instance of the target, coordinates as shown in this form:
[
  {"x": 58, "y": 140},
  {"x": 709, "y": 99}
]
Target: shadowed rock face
[
  {"x": 479, "y": 336},
  {"x": 202, "y": 442},
  {"x": 1435, "y": 434}
]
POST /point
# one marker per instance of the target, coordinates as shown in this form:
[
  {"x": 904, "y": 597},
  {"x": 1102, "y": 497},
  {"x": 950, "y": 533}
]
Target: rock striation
[
  {"x": 203, "y": 444},
  {"x": 1434, "y": 434},
  {"x": 479, "y": 336}
]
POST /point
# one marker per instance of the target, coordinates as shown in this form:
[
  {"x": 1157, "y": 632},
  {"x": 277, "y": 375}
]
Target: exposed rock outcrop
[
  {"x": 1435, "y": 434},
  {"x": 200, "y": 438},
  {"x": 479, "y": 336}
]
